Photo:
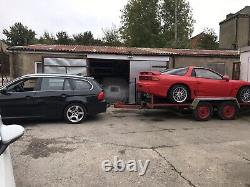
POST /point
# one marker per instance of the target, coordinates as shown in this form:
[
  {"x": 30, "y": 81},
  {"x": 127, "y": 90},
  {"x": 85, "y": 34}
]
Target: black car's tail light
[{"x": 101, "y": 96}]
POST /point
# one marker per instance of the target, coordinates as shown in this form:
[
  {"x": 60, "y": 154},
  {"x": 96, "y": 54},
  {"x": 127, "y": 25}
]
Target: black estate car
[{"x": 52, "y": 96}]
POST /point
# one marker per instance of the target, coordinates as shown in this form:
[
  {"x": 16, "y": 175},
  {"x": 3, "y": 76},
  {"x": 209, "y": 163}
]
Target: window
[
  {"x": 81, "y": 85},
  {"x": 67, "y": 85},
  {"x": 179, "y": 71},
  {"x": 218, "y": 67},
  {"x": 38, "y": 67},
  {"x": 55, "y": 84},
  {"x": 236, "y": 71},
  {"x": 207, "y": 74},
  {"x": 24, "y": 85}
]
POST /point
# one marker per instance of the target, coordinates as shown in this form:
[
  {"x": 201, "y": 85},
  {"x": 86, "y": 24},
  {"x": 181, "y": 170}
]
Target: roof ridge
[{"x": 122, "y": 50}]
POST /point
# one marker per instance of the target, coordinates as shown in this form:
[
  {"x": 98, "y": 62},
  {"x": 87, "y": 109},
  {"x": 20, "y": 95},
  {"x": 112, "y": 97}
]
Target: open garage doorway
[{"x": 113, "y": 75}]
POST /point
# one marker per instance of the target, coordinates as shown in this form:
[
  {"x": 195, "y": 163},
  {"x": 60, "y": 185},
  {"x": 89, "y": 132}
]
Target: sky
[{"x": 75, "y": 16}]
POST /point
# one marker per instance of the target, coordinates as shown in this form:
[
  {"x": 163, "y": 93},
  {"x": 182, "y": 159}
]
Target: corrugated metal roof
[{"x": 123, "y": 50}]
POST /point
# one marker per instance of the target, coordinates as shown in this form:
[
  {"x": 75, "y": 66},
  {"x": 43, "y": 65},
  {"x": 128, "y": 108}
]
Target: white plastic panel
[
  {"x": 77, "y": 71},
  {"x": 54, "y": 69},
  {"x": 65, "y": 62},
  {"x": 138, "y": 66}
]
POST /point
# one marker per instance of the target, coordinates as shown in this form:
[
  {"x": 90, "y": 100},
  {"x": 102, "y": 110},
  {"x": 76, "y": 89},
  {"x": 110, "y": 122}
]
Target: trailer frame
[{"x": 203, "y": 108}]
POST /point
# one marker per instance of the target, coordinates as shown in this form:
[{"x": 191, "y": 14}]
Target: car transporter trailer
[{"x": 203, "y": 108}]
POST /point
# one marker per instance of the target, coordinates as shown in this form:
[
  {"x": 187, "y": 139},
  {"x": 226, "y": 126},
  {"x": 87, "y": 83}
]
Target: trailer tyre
[
  {"x": 203, "y": 111},
  {"x": 228, "y": 111}
]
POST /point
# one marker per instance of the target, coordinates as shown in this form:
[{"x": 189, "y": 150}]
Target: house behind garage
[
  {"x": 116, "y": 68},
  {"x": 235, "y": 30}
]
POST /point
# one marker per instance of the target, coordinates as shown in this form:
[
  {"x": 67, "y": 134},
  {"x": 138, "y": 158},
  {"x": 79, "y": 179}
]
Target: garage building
[{"x": 116, "y": 68}]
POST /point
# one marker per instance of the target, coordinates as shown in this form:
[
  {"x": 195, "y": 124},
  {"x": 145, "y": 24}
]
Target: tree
[
  {"x": 85, "y": 38},
  {"x": 140, "y": 23},
  {"x": 208, "y": 40},
  {"x": 19, "y": 35},
  {"x": 177, "y": 23},
  {"x": 47, "y": 38},
  {"x": 112, "y": 37},
  {"x": 63, "y": 38},
  {"x": 157, "y": 23}
]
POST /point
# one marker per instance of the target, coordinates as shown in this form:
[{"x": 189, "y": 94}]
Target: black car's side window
[
  {"x": 205, "y": 73},
  {"x": 67, "y": 85},
  {"x": 81, "y": 85},
  {"x": 55, "y": 84},
  {"x": 27, "y": 85}
]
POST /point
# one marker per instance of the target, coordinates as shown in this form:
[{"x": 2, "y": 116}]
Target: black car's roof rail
[{"x": 57, "y": 75}]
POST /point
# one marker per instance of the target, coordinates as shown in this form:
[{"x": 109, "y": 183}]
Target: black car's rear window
[
  {"x": 178, "y": 72},
  {"x": 81, "y": 85}
]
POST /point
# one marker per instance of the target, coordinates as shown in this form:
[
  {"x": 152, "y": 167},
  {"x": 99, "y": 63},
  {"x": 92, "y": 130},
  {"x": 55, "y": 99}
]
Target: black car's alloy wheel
[
  {"x": 244, "y": 95},
  {"x": 75, "y": 113}
]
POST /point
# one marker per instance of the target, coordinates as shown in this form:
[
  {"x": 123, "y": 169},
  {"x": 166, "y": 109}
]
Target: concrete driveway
[{"x": 181, "y": 151}]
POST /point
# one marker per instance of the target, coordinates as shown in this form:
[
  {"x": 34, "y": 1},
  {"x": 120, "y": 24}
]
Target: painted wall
[
  {"x": 207, "y": 62},
  {"x": 234, "y": 33}
]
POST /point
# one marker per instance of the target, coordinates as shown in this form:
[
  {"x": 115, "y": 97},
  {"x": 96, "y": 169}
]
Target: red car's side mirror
[{"x": 226, "y": 78}]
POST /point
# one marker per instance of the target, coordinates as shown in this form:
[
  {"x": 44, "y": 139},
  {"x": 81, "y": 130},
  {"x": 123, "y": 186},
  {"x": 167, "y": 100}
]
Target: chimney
[{"x": 230, "y": 15}]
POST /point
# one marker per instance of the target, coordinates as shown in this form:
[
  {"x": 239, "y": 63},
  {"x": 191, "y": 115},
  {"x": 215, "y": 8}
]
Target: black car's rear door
[
  {"x": 52, "y": 96},
  {"x": 18, "y": 102}
]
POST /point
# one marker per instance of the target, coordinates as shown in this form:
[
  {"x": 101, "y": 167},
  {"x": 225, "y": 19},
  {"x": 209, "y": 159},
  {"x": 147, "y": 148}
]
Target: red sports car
[{"x": 184, "y": 84}]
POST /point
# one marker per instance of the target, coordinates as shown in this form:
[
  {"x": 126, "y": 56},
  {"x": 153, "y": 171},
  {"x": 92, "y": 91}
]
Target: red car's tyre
[
  {"x": 244, "y": 95},
  {"x": 203, "y": 112},
  {"x": 228, "y": 111},
  {"x": 179, "y": 94}
]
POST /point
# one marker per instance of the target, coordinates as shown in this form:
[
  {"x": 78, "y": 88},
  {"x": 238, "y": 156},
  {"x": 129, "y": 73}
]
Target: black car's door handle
[
  {"x": 28, "y": 97},
  {"x": 63, "y": 95}
]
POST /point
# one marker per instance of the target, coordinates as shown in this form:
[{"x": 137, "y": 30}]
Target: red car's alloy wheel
[
  {"x": 245, "y": 95},
  {"x": 178, "y": 94}
]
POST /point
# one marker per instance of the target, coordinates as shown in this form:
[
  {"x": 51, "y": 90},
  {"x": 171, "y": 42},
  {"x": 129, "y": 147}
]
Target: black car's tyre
[
  {"x": 228, "y": 111},
  {"x": 244, "y": 95},
  {"x": 179, "y": 94},
  {"x": 203, "y": 112},
  {"x": 75, "y": 113}
]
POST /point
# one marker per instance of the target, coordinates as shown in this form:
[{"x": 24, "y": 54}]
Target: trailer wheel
[
  {"x": 228, "y": 111},
  {"x": 203, "y": 111}
]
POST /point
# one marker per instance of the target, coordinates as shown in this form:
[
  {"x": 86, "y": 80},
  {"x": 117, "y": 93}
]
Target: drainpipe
[
  {"x": 236, "y": 33},
  {"x": 173, "y": 63},
  {"x": 249, "y": 30}
]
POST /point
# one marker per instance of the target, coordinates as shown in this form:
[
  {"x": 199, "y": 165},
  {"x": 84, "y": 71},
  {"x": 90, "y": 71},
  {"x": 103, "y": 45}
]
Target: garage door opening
[{"x": 113, "y": 75}]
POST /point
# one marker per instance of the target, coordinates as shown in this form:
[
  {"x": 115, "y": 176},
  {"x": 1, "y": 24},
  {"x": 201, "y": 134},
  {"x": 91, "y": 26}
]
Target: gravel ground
[{"x": 181, "y": 151}]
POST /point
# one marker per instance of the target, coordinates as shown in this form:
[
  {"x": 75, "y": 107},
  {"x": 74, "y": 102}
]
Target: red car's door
[{"x": 211, "y": 84}]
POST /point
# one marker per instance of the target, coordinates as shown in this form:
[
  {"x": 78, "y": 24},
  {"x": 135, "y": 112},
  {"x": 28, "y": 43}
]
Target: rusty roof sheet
[{"x": 123, "y": 50}]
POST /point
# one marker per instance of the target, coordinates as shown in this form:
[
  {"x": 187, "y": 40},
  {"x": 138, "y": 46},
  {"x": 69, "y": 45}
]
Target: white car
[{"x": 8, "y": 135}]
